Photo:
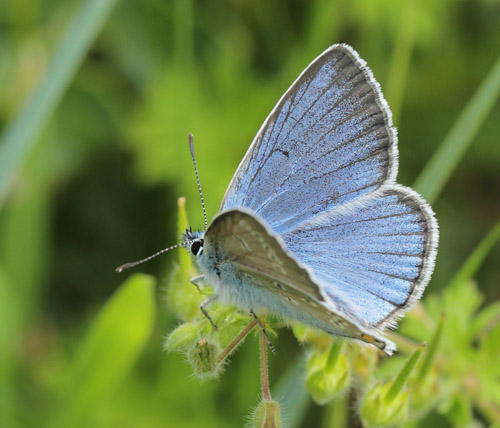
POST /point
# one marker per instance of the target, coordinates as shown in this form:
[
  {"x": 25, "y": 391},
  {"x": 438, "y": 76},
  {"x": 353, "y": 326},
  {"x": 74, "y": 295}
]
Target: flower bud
[
  {"x": 378, "y": 411},
  {"x": 327, "y": 373},
  {"x": 267, "y": 415},
  {"x": 203, "y": 358},
  {"x": 181, "y": 337}
]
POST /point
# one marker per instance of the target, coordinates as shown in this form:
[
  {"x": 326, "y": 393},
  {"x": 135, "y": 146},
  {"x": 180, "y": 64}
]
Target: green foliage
[
  {"x": 442, "y": 381},
  {"x": 113, "y": 344},
  {"x": 95, "y": 109}
]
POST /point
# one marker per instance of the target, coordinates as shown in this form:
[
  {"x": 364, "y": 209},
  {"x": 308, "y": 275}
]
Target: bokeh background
[{"x": 97, "y": 98}]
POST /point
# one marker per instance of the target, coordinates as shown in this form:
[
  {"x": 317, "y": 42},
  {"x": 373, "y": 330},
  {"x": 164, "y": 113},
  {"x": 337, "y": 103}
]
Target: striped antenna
[
  {"x": 191, "y": 147},
  {"x": 132, "y": 264}
]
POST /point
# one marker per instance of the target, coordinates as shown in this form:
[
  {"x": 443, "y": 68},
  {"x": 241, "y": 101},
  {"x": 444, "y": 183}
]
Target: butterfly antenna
[
  {"x": 132, "y": 264},
  {"x": 191, "y": 147}
]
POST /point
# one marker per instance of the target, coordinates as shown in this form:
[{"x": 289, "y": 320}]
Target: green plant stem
[
  {"x": 264, "y": 376},
  {"x": 236, "y": 340},
  {"x": 336, "y": 414},
  {"x": 333, "y": 354}
]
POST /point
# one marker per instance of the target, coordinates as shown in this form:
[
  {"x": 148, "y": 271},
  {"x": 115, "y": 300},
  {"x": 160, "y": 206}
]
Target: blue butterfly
[{"x": 313, "y": 226}]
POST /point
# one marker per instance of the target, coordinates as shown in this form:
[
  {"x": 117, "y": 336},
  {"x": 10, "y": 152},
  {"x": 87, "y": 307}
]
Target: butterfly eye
[{"x": 197, "y": 247}]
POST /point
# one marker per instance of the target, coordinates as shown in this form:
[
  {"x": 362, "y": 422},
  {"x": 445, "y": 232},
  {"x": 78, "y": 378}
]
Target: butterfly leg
[
  {"x": 196, "y": 279},
  {"x": 205, "y": 303},
  {"x": 271, "y": 347}
]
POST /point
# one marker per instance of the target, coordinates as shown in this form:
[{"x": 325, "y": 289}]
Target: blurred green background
[{"x": 97, "y": 98}]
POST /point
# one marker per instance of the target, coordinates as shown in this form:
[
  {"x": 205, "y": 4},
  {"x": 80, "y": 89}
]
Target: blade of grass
[
  {"x": 438, "y": 170},
  {"x": 474, "y": 261},
  {"x": 21, "y": 134},
  {"x": 113, "y": 344}
]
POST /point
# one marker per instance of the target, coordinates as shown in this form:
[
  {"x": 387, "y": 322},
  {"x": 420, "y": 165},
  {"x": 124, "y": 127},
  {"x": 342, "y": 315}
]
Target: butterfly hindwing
[
  {"x": 328, "y": 141},
  {"x": 259, "y": 272},
  {"x": 379, "y": 251}
]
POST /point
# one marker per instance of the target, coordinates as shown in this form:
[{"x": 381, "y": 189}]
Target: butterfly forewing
[
  {"x": 261, "y": 273},
  {"x": 328, "y": 141}
]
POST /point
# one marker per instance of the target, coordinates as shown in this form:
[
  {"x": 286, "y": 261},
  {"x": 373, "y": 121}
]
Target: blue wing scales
[
  {"x": 321, "y": 172},
  {"x": 379, "y": 251},
  {"x": 328, "y": 141}
]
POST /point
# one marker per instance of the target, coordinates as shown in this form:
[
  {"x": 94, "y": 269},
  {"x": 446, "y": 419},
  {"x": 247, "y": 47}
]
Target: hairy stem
[
  {"x": 264, "y": 379},
  {"x": 236, "y": 340}
]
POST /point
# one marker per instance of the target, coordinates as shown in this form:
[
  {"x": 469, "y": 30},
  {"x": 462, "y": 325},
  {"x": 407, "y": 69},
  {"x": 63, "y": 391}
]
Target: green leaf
[
  {"x": 458, "y": 329},
  {"x": 21, "y": 135},
  {"x": 403, "y": 375},
  {"x": 488, "y": 318},
  {"x": 182, "y": 224},
  {"x": 430, "y": 355},
  {"x": 438, "y": 170},
  {"x": 113, "y": 344},
  {"x": 386, "y": 404},
  {"x": 460, "y": 412}
]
